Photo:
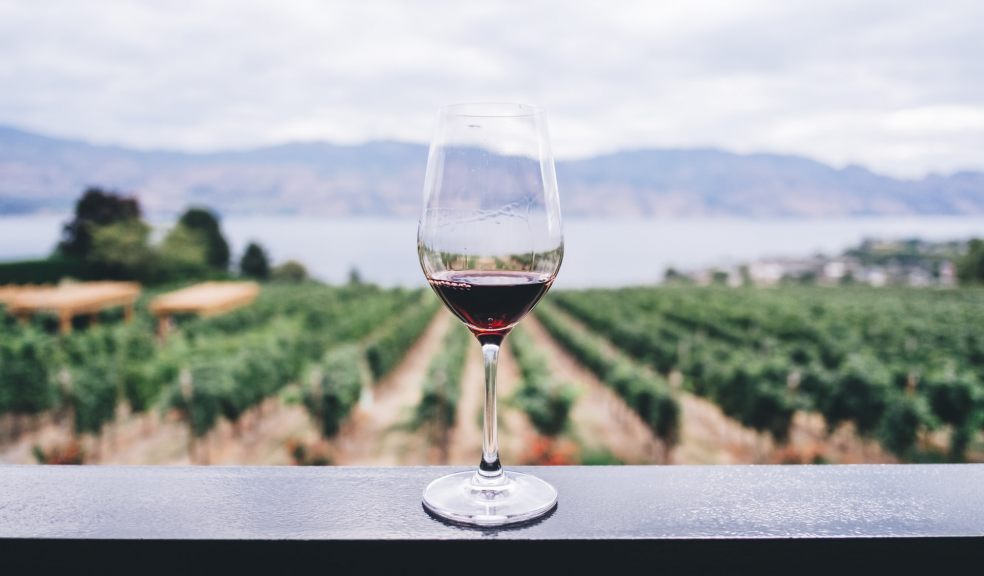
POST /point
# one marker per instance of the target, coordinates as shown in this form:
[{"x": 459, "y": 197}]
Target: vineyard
[
  {"x": 354, "y": 374},
  {"x": 316, "y": 339},
  {"x": 898, "y": 366}
]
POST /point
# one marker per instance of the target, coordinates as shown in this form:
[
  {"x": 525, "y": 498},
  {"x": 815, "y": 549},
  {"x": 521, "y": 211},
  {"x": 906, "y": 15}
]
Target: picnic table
[
  {"x": 69, "y": 300},
  {"x": 204, "y": 299},
  {"x": 10, "y": 291}
]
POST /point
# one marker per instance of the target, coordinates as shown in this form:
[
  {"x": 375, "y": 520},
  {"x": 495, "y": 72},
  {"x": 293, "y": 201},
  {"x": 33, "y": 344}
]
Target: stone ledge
[{"x": 714, "y": 517}]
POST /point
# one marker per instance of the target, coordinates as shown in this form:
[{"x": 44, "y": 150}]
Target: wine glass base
[{"x": 467, "y": 498}]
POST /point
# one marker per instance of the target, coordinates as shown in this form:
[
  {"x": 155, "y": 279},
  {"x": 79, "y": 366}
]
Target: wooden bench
[
  {"x": 205, "y": 299},
  {"x": 69, "y": 300}
]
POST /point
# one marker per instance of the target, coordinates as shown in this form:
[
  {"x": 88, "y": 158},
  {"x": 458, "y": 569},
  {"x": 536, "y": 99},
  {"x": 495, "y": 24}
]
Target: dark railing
[{"x": 657, "y": 519}]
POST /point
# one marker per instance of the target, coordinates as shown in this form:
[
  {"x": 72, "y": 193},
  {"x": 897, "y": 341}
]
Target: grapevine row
[
  {"x": 437, "y": 409},
  {"x": 546, "y": 402},
  {"x": 647, "y": 393},
  {"x": 896, "y": 363},
  {"x": 211, "y": 368}
]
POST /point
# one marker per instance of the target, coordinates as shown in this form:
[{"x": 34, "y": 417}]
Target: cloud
[
  {"x": 936, "y": 120},
  {"x": 895, "y": 86}
]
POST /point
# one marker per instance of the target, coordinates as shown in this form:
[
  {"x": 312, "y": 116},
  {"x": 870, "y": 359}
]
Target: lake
[{"x": 598, "y": 252}]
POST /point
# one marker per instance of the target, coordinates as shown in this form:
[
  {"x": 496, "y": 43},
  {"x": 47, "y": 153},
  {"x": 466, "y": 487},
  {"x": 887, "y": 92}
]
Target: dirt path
[
  {"x": 370, "y": 437},
  {"x": 131, "y": 439},
  {"x": 466, "y": 437},
  {"x": 515, "y": 431},
  {"x": 708, "y": 436},
  {"x": 601, "y": 419},
  {"x": 149, "y": 439},
  {"x": 261, "y": 438},
  {"x": 602, "y": 422},
  {"x": 263, "y": 433},
  {"x": 43, "y": 432},
  {"x": 153, "y": 439}
]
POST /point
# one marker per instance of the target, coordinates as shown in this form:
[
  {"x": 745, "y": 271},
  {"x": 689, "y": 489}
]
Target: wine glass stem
[{"x": 490, "y": 468}]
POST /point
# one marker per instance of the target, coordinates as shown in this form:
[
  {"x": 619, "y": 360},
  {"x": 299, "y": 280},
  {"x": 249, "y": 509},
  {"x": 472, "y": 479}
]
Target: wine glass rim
[{"x": 491, "y": 109}]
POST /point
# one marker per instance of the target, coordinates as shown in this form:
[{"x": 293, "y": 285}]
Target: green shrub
[
  {"x": 198, "y": 395},
  {"x": 438, "y": 406},
  {"x": 93, "y": 395},
  {"x": 26, "y": 385},
  {"x": 333, "y": 387},
  {"x": 905, "y": 416},
  {"x": 46, "y": 271},
  {"x": 546, "y": 402},
  {"x": 647, "y": 393},
  {"x": 860, "y": 393},
  {"x": 955, "y": 398},
  {"x": 389, "y": 347}
]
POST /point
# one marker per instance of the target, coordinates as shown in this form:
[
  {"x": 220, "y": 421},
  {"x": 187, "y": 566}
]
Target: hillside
[{"x": 39, "y": 173}]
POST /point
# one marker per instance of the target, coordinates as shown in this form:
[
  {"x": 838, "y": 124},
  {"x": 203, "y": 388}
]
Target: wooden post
[
  {"x": 128, "y": 312},
  {"x": 207, "y": 445},
  {"x": 163, "y": 326},
  {"x": 65, "y": 322},
  {"x": 191, "y": 446}
]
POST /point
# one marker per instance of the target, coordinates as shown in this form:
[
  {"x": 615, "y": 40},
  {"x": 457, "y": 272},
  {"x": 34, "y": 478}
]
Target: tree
[
  {"x": 354, "y": 276},
  {"x": 182, "y": 254},
  {"x": 674, "y": 276},
  {"x": 254, "y": 262},
  {"x": 205, "y": 222},
  {"x": 719, "y": 277},
  {"x": 97, "y": 207},
  {"x": 121, "y": 250},
  {"x": 746, "y": 275},
  {"x": 970, "y": 268},
  {"x": 290, "y": 271}
]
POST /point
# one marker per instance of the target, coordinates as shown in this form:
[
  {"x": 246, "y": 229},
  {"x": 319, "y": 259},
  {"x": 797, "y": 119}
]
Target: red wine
[{"x": 490, "y": 302}]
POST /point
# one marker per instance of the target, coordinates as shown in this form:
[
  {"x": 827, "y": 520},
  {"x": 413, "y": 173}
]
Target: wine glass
[{"x": 490, "y": 243}]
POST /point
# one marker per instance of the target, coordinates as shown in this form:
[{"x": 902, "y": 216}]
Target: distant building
[
  {"x": 766, "y": 273},
  {"x": 919, "y": 278},
  {"x": 834, "y": 271},
  {"x": 875, "y": 262},
  {"x": 948, "y": 273},
  {"x": 874, "y": 276}
]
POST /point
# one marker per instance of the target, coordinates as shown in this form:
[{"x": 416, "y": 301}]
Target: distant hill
[{"x": 42, "y": 174}]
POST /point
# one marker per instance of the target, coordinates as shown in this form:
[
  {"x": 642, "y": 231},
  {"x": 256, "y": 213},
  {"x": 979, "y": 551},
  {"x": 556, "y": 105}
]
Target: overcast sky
[{"x": 897, "y": 86}]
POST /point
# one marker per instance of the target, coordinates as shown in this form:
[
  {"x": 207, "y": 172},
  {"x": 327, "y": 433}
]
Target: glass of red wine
[{"x": 490, "y": 243}]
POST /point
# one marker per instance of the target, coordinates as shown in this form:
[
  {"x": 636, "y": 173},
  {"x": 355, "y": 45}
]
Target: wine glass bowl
[{"x": 490, "y": 242}]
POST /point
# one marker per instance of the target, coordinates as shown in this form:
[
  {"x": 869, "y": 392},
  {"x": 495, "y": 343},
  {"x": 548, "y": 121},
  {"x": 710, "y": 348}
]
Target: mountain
[{"x": 42, "y": 174}]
